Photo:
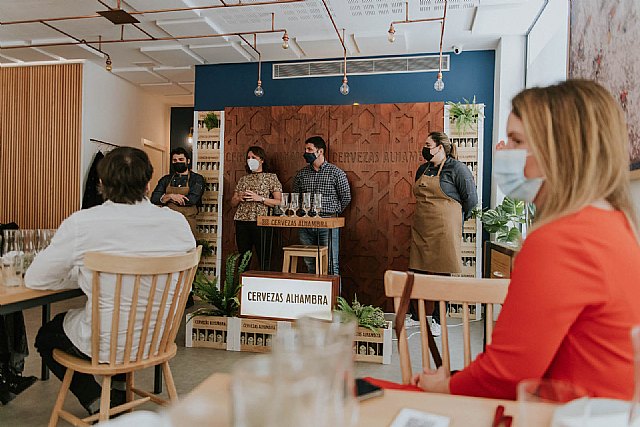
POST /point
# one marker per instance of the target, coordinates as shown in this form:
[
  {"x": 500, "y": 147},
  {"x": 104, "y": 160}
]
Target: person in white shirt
[{"x": 126, "y": 224}]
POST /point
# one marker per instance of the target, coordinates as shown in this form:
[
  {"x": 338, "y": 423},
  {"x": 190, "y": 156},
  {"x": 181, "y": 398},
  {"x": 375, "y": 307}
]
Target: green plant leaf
[{"x": 368, "y": 316}]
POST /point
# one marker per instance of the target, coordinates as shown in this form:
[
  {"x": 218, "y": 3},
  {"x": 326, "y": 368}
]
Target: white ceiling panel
[
  {"x": 174, "y": 57},
  {"x": 218, "y": 54},
  {"x": 72, "y": 52},
  {"x": 510, "y": 19},
  {"x": 328, "y": 48},
  {"x": 190, "y": 86},
  {"x": 275, "y": 52},
  {"x": 186, "y": 27},
  {"x": 4, "y": 60},
  {"x": 138, "y": 76},
  {"x": 165, "y": 89},
  {"x": 26, "y": 55},
  {"x": 183, "y": 74},
  {"x": 380, "y": 42}
]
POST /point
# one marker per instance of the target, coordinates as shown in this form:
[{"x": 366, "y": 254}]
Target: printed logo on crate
[
  {"x": 285, "y": 298},
  {"x": 370, "y": 346},
  {"x": 206, "y": 331},
  {"x": 257, "y": 335}
]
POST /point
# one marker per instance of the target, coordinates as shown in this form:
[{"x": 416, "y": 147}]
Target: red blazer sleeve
[{"x": 552, "y": 281}]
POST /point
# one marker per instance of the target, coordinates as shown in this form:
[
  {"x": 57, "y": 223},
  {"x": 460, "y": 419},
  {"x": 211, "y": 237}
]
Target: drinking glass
[
  {"x": 272, "y": 391},
  {"x": 43, "y": 238},
  {"x": 317, "y": 203},
  {"x": 12, "y": 258},
  {"x": 533, "y": 393},
  {"x": 295, "y": 204},
  {"x": 334, "y": 339},
  {"x": 306, "y": 203},
  {"x": 29, "y": 244}
]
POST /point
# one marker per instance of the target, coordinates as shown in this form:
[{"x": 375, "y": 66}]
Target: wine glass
[
  {"x": 306, "y": 204},
  {"x": 295, "y": 204},
  {"x": 12, "y": 258},
  {"x": 317, "y": 203},
  {"x": 29, "y": 244}
]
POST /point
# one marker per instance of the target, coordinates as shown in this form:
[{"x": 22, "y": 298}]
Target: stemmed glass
[
  {"x": 295, "y": 204},
  {"x": 317, "y": 203},
  {"x": 29, "y": 245},
  {"x": 306, "y": 204},
  {"x": 12, "y": 258}
]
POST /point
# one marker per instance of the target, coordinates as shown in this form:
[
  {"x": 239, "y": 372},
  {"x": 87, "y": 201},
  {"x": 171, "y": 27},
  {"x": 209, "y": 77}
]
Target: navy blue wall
[{"x": 471, "y": 73}]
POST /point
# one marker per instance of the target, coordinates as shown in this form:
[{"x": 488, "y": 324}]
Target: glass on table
[
  {"x": 12, "y": 258},
  {"x": 29, "y": 245},
  {"x": 306, "y": 203},
  {"x": 43, "y": 238},
  {"x": 294, "y": 205},
  {"x": 534, "y": 392},
  {"x": 317, "y": 203}
]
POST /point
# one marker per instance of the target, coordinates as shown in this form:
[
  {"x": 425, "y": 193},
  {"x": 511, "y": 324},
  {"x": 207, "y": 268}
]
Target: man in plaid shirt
[{"x": 322, "y": 177}]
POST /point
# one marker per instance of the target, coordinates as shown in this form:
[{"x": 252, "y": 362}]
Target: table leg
[
  {"x": 319, "y": 268},
  {"x": 46, "y": 314},
  {"x": 157, "y": 379}
]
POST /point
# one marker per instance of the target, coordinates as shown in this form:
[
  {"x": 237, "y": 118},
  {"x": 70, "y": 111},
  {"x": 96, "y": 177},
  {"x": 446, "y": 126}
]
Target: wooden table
[
  {"x": 378, "y": 412},
  {"x": 19, "y": 298}
]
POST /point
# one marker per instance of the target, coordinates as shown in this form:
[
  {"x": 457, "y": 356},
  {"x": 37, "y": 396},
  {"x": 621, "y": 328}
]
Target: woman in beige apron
[
  {"x": 436, "y": 233},
  {"x": 189, "y": 212}
]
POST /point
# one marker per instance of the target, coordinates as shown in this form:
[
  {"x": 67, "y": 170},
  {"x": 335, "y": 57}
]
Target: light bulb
[
  {"x": 190, "y": 140},
  {"x": 258, "y": 90},
  {"x": 285, "y": 41},
  {"x": 439, "y": 84},
  {"x": 108, "y": 65},
  {"x": 344, "y": 89},
  {"x": 392, "y": 34}
]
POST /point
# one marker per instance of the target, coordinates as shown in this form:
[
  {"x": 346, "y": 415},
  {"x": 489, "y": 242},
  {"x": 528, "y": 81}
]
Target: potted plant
[
  {"x": 506, "y": 219},
  {"x": 464, "y": 115},
  {"x": 373, "y": 337},
  {"x": 209, "y": 326},
  {"x": 211, "y": 121}
]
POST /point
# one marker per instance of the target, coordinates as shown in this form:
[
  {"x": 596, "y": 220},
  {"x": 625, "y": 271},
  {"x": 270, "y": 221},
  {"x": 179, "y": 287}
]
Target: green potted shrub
[
  {"x": 464, "y": 115},
  {"x": 209, "y": 326},
  {"x": 506, "y": 219},
  {"x": 211, "y": 121},
  {"x": 373, "y": 337}
]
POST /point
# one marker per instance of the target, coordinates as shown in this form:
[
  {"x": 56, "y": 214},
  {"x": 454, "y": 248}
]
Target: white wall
[
  {"x": 509, "y": 80},
  {"x": 635, "y": 194},
  {"x": 116, "y": 111},
  {"x": 547, "y": 45}
]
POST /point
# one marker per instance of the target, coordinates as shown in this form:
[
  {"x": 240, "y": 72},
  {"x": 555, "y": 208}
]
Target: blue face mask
[{"x": 508, "y": 171}]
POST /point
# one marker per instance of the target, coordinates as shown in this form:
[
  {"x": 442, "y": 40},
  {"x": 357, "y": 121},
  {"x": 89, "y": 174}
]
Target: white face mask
[
  {"x": 508, "y": 171},
  {"x": 253, "y": 164}
]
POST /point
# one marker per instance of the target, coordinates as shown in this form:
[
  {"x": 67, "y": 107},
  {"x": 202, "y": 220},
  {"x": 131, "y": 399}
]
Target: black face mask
[
  {"x": 179, "y": 167},
  {"x": 426, "y": 153},
  {"x": 310, "y": 157}
]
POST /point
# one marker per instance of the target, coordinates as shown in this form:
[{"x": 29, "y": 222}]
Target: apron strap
[
  {"x": 403, "y": 307},
  {"x": 441, "y": 165}
]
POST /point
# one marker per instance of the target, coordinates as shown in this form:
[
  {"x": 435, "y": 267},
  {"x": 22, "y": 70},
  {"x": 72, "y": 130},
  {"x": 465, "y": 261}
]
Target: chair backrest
[
  {"x": 442, "y": 288},
  {"x": 142, "y": 308}
]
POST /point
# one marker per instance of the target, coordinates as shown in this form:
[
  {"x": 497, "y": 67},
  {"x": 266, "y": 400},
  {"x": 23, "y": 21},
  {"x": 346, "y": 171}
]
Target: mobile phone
[{"x": 365, "y": 390}]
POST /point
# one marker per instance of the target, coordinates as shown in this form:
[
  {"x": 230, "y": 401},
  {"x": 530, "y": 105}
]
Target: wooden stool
[{"x": 291, "y": 254}]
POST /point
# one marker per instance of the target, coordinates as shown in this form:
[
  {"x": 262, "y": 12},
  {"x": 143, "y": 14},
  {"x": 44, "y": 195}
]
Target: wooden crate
[
  {"x": 210, "y": 196},
  {"x": 468, "y": 249},
  {"x": 256, "y": 335},
  {"x": 455, "y": 311},
  {"x": 208, "y": 155},
  {"x": 205, "y": 134},
  {"x": 469, "y": 226},
  {"x": 208, "y": 261},
  {"x": 207, "y": 331},
  {"x": 467, "y": 154},
  {"x": 374, "y": 347},
  {"x": 470, "y": 132},
  {"x": 212, "y": 174}
]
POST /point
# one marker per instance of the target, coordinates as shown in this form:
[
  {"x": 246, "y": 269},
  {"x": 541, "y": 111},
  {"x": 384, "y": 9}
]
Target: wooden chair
[
  {"x": 442, "y": 288},
  {"x": 291, "y": 254},
  {"x": 167, "y": 282}
]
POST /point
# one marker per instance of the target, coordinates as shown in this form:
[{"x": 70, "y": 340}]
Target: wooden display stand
[{"x": 373, "y": 347}]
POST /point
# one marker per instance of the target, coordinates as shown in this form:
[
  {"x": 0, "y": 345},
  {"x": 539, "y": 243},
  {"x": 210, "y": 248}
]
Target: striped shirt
[{"x": 330, "y": 181}]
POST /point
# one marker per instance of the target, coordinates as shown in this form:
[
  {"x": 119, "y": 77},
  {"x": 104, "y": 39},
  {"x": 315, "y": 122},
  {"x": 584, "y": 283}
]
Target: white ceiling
[{"x": 167, "y": 67}]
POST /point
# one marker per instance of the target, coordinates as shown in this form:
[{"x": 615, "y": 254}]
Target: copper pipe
[
  {"x": 324, "y": 2},
  {"x": 411, "y": 21},
  {"x": 142, "y": 12},
  {"x": 344, "y": 74},
  {"x": 249, "y": 44},
  {"x": 78, "y": 41},
  {"x": 444, "y": 18}
]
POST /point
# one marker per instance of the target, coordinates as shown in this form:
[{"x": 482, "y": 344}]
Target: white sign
[{"x": 286, "y": 298}]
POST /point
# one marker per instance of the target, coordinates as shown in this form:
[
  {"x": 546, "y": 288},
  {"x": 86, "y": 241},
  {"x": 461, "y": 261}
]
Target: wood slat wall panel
[
  {"x": 40, "y": 139},
  {"x": 378, "y": 146}
]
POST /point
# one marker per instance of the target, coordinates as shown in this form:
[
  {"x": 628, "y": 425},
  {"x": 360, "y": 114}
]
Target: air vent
[{"x": 412, "y": 64}]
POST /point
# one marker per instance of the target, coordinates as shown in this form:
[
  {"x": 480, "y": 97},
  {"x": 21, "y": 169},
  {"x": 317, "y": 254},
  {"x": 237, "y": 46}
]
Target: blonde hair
[
  {"x": 578, "y": 134},
  {"x": 441, "y": 138}
]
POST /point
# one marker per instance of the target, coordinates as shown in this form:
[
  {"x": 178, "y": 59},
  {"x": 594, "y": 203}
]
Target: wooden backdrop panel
[
  {"x": 378, "y": 146},
  {"x": 40, "y": 128}
]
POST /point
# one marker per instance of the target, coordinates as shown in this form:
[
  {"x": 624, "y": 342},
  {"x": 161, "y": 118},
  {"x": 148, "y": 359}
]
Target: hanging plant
[
  {"x": 211, "y": 121},
  {"x": 464, "y": 114}
]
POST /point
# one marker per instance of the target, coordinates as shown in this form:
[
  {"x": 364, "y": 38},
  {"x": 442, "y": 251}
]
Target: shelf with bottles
[
  {"x": 207, "y": 211},
  {"x": 469, "y": 226},
  {"x": 468, "y": 244},
  {"x": 204, "y": 146},
  {"x": 207, "y": 232},
  {"x": 468, "y": 268},
  {"x": 203, "y": 132},
  {"x": 210, "y": 272}
]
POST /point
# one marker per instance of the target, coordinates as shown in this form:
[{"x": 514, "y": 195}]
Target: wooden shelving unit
[
  {"x": 207, "y": 158},
  {"x": 469, "y": 143}
]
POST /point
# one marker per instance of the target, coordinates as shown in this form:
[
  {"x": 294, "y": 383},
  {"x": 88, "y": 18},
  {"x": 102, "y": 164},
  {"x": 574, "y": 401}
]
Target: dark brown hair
[
  {"x": 318, "y": 142},
  {"x": 259, "y": 152},
  {"x": 124, "y": 174},
  {"x": 441, "y": 138}
]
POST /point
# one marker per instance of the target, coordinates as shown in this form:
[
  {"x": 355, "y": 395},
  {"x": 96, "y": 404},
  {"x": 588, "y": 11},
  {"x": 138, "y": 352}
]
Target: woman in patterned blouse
[{"x": 254, "y": 194}]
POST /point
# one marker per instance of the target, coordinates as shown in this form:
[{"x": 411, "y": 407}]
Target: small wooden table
[
  {"x": 302, "y": 222},
  {"x": 19, "y": 298},
  {"x": 463, "y": 410}
]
